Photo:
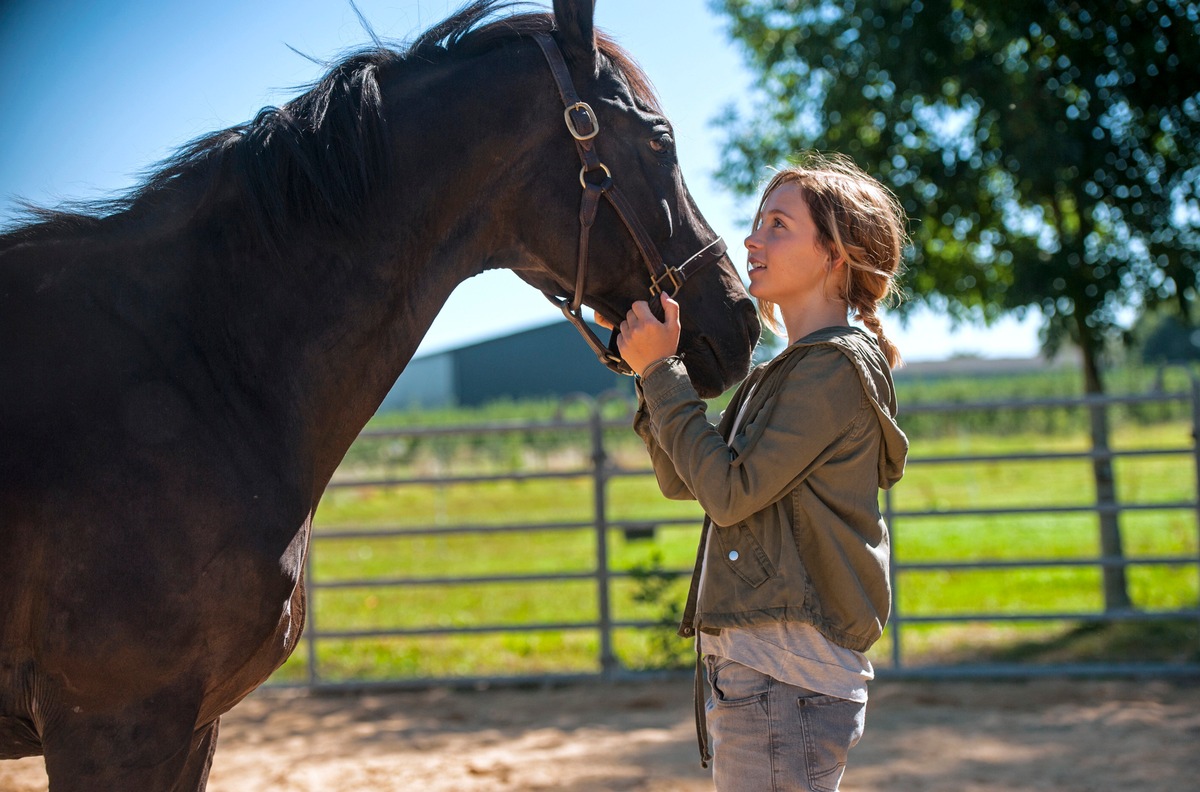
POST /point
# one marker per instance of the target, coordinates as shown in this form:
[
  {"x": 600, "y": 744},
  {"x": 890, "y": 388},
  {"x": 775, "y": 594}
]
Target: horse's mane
[{"x": 316, "y": 158}]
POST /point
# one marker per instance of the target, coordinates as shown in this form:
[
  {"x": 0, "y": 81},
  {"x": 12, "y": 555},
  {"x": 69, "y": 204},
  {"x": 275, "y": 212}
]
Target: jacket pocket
[{"x": 744, "y": 555}]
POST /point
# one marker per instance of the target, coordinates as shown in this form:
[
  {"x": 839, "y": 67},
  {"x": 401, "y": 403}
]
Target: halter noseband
[{"x": 584, "y": 127}]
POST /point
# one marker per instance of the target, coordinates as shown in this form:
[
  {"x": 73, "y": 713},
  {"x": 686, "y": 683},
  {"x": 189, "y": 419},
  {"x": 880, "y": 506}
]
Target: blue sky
[{"x": 95, "y": 93}]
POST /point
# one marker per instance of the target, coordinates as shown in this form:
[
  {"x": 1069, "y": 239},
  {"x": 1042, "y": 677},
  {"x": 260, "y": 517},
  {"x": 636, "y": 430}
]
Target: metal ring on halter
[
  {"x": 585, "y": 107},
  {"x": 585, "y": 170}
]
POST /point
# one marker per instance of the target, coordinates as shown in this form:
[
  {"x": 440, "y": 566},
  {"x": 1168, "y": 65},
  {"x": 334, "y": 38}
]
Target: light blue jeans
[{"x": 769, "y": 736}]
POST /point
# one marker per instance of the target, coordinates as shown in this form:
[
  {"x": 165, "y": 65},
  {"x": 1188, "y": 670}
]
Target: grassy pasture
[{"x": 573, "y": 604}]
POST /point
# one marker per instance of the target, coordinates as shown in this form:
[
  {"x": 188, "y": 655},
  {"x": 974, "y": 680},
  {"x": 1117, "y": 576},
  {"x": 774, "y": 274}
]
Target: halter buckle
[
  {"x": 669, "y": 273},
  {"x": 591, "y": 116}
]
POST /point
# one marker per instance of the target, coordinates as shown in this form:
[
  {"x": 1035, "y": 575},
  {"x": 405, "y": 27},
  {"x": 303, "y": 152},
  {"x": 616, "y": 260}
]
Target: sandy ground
[{"x": 965, "y": 737}]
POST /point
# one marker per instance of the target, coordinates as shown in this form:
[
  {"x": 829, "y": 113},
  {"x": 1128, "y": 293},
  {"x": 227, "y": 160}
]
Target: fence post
[
  {"x": 599, "y": 497},
  {"x": 1196, "y": 458},
  {"x": 310, "y": 615},
  {"x": 889, "y": 518}
]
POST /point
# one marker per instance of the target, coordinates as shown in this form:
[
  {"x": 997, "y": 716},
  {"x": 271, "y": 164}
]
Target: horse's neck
[
  {"x": 337, "y": 320},
  {"x": 346, "y": 318},
  {"x": 344, "y": 335},
  {"x": 441, "y": 227}
]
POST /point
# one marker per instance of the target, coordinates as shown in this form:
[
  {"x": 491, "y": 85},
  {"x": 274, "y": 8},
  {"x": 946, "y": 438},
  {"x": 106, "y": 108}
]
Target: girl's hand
[{"x": 643, "y": 339}]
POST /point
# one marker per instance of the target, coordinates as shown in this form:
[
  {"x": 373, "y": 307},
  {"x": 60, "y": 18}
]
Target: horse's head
[{"x": 607, "y": 219}]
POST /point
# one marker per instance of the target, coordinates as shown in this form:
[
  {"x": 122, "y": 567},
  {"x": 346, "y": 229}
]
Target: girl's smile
[
  {"x": 789, "y": 265},
  {"x": 785, "y": 258}
]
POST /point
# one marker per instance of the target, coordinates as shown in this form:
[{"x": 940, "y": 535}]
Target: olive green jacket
[{"x": 794, "y": 531}]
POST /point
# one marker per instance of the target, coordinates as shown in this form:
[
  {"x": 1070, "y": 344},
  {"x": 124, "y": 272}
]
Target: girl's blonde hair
[{"x": 859, "y": 221}]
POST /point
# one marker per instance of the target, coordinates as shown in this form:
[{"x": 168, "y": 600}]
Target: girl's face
[{"x": 786, "y": 263}]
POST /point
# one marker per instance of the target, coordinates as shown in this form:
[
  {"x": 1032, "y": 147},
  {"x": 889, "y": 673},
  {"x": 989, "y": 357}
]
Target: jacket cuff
[
  {"x": 653, "y": 366},
  {"x": 662, "y": 380}
]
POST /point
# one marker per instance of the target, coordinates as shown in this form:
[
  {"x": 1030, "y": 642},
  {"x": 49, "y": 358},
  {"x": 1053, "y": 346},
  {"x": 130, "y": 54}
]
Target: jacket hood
[{"x": 876, "y": 377}]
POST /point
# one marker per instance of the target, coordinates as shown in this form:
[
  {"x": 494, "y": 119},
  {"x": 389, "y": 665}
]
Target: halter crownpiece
[{"x": 584, "y": 126}]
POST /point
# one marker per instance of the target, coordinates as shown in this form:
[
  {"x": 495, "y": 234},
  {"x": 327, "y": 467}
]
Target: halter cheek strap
[{"x": 597, "y": 181}]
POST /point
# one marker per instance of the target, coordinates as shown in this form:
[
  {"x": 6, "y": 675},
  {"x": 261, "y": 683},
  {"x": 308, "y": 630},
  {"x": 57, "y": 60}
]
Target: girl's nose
[{"x": 752, "y": 243}]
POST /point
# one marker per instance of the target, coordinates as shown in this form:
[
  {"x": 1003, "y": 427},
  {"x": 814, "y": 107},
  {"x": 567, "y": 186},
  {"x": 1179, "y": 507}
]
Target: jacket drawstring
[
  {"x": 698, "y": 702},
  {"x": 687, "y": 629}
]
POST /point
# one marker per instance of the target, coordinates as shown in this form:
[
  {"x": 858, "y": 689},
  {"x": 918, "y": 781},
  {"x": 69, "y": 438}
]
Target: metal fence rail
[
  {"x": 602, "y": 470},
  {"x": 898, "y": 518}
]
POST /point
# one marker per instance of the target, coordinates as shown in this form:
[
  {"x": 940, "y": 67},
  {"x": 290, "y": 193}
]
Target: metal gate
[{"x": 600, "y": 461}]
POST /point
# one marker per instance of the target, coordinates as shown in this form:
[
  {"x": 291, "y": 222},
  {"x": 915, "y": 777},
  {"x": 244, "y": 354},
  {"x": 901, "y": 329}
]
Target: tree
[
  {"x": 1168, "y": 339},
  {"x": 1047, "y": 151}
]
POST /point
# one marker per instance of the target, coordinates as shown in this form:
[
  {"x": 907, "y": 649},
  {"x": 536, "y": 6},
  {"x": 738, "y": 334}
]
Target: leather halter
[{"x": 584, "y": 127}]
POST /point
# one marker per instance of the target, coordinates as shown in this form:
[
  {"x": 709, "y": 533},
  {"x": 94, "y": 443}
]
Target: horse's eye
[{"x": 662, "y": 143}]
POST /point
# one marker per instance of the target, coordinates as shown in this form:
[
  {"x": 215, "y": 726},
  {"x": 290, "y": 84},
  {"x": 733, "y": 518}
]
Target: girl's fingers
[
  {"x": 641, "y": 310},
  {"x": 670, "y": 309}
]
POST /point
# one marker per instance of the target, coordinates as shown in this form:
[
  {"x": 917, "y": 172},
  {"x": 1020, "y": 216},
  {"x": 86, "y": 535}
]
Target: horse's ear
[{"x": 577, "y": 33}]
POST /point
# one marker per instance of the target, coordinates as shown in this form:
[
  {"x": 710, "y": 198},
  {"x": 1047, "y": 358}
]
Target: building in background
[{"x": 550, "y": 361}]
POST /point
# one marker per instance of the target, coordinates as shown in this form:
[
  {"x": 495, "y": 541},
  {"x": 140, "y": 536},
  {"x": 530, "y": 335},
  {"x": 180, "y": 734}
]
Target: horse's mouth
[
  {"x": 708, "y": 376},
  {"x": 714, "y": 369}
]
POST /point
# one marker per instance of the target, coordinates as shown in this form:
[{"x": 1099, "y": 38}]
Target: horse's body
[{"x": 181, "y": 373}]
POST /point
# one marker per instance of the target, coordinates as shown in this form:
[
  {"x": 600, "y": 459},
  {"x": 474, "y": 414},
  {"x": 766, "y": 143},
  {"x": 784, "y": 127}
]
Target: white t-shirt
[{"x": 795, "y": 653}]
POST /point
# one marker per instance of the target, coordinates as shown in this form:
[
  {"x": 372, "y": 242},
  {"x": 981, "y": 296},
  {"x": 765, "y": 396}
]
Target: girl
[{"x": 791, "y": 581}]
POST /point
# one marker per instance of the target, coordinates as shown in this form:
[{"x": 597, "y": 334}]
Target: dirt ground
[{"x": 638, "y": 737}]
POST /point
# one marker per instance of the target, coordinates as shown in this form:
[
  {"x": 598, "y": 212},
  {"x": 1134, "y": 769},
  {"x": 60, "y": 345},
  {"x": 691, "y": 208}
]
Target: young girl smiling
[{"x": 791, "y": 581}]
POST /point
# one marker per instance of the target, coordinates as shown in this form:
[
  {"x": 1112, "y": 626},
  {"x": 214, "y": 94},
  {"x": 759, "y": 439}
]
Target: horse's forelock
[
  {"x": 639, "y": 81},
  {"x": 462, "y": 35}
]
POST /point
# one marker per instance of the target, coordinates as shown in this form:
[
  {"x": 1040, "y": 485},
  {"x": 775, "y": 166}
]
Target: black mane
[{"x": 317, "y": 158}]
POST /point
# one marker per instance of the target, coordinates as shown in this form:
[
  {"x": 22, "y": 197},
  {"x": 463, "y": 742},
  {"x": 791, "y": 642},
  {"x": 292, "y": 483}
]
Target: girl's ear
[
  {"x": 576, "y": 31},
  {"x": 836, "y": 266}
]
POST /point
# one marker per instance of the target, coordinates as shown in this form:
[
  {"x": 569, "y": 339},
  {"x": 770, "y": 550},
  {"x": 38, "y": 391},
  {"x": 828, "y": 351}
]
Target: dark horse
[{"x": 182, "y": 370}]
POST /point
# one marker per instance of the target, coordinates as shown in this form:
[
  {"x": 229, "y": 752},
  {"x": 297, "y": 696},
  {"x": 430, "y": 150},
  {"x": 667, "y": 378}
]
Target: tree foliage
[
  {"x": 1048, "y": 151},
  {"x": 1168, "y": 340}
]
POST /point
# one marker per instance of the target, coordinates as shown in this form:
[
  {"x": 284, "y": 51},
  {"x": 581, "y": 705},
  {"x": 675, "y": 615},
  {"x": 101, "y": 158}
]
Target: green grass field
[{"x": 656, "y": 596}]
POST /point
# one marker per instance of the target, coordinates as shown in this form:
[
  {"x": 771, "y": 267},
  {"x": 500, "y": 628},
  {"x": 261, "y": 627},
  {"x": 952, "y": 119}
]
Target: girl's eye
[{"x": 662, "y": 143}]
